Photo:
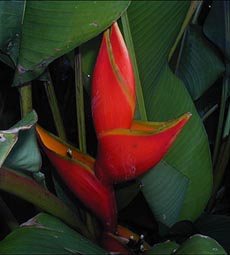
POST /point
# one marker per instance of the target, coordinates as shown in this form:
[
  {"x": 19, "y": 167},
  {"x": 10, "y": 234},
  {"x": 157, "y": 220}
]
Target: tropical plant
[{"x": 82, "y": 186}]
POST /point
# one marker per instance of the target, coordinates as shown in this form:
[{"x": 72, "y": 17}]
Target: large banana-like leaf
[
  {"x": 46, "y": 234},
  {"x": 154, "y": 27},
  {"x": 52, "y": 28},
  {"x": 200, "y": 66}
]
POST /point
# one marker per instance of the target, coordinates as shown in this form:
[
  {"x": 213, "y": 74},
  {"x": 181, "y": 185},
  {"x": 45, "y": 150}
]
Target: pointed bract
[
  {"x": 113, "y": 85},
  {"x": 124, "y": 154},
  {"x": 81, "y": 180}
]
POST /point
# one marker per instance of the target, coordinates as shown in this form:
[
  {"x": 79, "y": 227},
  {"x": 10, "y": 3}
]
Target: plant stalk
[
  {"x": 25, "y": 93},
  {"x": 80, "y": 102},
  {"x": 220, "y": 121},
  {"x": 187, "y": 19},
  {"x": 50, "y": 93},
  {"x": 32, "y": 192},
  {"x": 129, "y": 43}
]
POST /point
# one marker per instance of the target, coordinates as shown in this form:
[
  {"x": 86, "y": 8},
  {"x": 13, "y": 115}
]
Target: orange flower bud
[{"x": 113, "y": 86}]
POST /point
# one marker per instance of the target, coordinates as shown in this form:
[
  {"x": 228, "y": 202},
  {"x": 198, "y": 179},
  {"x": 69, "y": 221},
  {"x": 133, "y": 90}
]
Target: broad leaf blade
[
  {"x": 7, "y": 141},
  {"x": 25, "y": 155},
  {"x": 53, "y": 28},
  {"x": 154, "y": 27},
  {"x": 11, "y": 13},
  {"x": 199, "y": 244},
  {"x": 165, "y": 248},
  {"x": 200, "y": 66},
  {"x": 165, "y": 189},
  {"x": 45, "y": 234},
  {"x": 190, "y": 153}
]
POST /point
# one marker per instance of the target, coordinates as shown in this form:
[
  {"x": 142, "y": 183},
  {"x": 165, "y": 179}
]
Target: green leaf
[
  {"x": 25, "y": 155},
  {"x": 7, "y": 141},
  {"x": 29, "y": 190},
  {"x": 11, "y": 13},
  {"x": 217, "y": 227},
  {"x": 200, "y": 244},
  {"x": 165, "y": 189},
  {"x": 51, "y": 29},
  {"x": 190, "y": 153},
  {"x": 154, "y": 27},
  {"x": 45, "y": 234},
  {"x": 165, "y": 248},
  {"x": 200, "y": 66}
]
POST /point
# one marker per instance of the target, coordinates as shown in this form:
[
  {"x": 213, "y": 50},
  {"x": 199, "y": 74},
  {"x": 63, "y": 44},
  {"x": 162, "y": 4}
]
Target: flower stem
[
  {"x": 187, "y": 19},
  {"x": 50, "y": 93},
  {"x": 32, "y": 192},
  {"x": 80, "y": 102},
  {"x": 25, "y": 99}
]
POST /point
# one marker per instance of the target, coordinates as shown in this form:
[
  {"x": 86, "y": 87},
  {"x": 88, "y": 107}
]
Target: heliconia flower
[
  {"x": 113, "y": 85},
  {"x": 75, "y": 168},
  {"x": 124, "y": 154}
]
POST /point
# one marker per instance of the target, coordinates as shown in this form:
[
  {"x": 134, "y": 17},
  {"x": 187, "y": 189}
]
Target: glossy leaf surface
[
  {"x": 200, "y": 244},
  {"x": 165, "y": 205},
  {"x": 45, "y": 234},
  {"x": 11, "y": 13},
  {"x": 51, "y": 29},
  {"x": 200, "y": 66},
  {"x": 25, "y": 155},
  {"x": 165, "y": 97},
  {"x": 165, "y": 248}
]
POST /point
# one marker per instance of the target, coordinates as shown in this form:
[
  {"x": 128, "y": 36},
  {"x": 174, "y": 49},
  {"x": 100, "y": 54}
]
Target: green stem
[
  {"x": 220, "y": 121},
  {"x": 25, "y": 99},
  {"x": 188, "y": 17},
  {"x": 32, "y": 192},
  {"x": 7, "y": 215},
  {"x": 180, "y": 52},
  {"x": 80, "y": 102},
  {"x": 226, "y": 131},
  {"x": 129, "y": 43},
  {"x": 209, "y": 112},
  {"x": 50, "y": 93},
  {"x": 219, "y": 170},
  {"x": 197, "y": 12},
  {"x": 222, "y": 164}
]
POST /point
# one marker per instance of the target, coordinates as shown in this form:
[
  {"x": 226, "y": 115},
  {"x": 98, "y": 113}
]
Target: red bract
[
  {"x": 113, "y": 88},
  {"x": 80, "y": 178},
  {"x": 124, "y": 154}
]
